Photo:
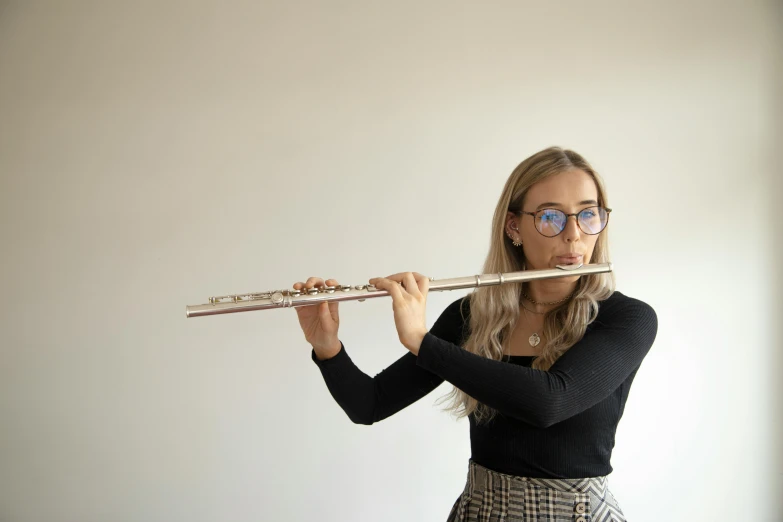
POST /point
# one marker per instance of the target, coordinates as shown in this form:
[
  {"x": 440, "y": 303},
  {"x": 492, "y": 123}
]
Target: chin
[{"x": 566, "y": 280}]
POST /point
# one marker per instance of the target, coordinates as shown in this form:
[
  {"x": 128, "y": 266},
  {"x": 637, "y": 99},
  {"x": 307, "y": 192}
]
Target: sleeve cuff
[
  {"x": 432, "y": 353},
  {"x": 337, "y": 360}
]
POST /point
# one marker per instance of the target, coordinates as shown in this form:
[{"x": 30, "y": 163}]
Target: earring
[{"x": 515, "y": 242}]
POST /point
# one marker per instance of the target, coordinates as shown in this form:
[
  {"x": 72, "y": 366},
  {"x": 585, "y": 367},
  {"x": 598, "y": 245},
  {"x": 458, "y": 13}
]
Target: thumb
[{"x": 323, "y": 311}]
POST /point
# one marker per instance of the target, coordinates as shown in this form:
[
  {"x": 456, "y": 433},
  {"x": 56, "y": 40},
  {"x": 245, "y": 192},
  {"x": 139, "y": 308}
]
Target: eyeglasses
[{"x": 551, "y": 221}]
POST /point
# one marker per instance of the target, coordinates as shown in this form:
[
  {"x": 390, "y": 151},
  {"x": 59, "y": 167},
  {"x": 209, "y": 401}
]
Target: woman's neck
[{"x": 546, "y": 292}]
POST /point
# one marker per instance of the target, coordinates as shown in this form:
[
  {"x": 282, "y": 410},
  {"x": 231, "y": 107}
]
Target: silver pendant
[{"x": 534, "y": 339}]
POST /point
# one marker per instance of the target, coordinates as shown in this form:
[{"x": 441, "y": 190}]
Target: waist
[{"x": 481, "y": 478}]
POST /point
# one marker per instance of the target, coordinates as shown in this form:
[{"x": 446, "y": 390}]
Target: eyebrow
[{"x": 553, "y": 204}]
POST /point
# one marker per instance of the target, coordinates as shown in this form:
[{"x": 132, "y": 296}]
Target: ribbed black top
[{"x": 559, "y": 423}]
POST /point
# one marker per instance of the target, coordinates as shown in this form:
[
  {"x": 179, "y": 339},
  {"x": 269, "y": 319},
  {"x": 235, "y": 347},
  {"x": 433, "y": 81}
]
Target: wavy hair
[{"x": 495, "y": 310}]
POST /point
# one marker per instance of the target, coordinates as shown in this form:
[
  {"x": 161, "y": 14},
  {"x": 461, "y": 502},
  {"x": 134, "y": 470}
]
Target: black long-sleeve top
[{"x": 558, "y": 423}]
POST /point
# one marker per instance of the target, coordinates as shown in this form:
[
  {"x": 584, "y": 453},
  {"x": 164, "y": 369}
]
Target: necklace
[
  {"x": 552, "y": 303},
  {"x": 529, "y": 310},
  {"x": 534, "y": 339}
]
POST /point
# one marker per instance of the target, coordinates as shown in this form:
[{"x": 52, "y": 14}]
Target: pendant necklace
[{"x": 535, "y": 338}]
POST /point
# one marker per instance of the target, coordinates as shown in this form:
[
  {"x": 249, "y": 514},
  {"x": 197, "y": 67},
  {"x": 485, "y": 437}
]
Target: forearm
[
  {"x": 368, "y": 399},
  {"x": 517, "y": 391},
  {"x": 584, "y": 375},
  {"x": 351, "y": 388}
]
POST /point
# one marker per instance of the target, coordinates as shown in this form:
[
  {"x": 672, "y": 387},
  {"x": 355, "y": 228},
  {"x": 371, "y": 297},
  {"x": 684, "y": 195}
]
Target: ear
[{"x": 511, "y": 223}]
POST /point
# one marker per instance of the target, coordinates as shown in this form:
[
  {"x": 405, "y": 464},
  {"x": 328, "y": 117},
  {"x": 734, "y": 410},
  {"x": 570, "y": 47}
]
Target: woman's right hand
[{"x": 320, "y": 322}]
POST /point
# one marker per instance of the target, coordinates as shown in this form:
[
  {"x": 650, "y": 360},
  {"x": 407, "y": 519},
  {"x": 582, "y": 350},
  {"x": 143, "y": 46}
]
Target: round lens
[
  {"x": 550, "y": 222},
  {"x": 593, "y": 220}
]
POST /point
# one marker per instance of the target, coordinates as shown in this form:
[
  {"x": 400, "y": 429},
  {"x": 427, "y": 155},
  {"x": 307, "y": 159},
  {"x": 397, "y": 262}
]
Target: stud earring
[{"x": 515, "y": 242}]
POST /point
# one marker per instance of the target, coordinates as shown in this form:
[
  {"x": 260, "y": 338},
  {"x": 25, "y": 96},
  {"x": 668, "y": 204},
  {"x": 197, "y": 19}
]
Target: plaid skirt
[{"x": 490, "y": 496}]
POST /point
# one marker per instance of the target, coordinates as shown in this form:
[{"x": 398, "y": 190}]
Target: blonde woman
[{"x": 541, "y": 369}]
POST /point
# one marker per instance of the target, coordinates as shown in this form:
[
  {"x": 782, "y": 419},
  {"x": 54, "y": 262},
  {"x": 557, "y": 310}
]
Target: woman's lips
[{"x": 569, "y": 259}]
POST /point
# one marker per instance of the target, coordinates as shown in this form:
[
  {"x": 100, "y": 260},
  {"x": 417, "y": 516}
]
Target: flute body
[{"x": 294, "y": 298}]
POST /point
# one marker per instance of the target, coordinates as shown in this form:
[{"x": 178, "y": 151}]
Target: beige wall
[{"x": 155, "y": 153}]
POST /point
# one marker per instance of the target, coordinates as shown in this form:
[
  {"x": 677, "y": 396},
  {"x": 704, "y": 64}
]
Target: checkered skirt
[{"x": 490, "y": 496}]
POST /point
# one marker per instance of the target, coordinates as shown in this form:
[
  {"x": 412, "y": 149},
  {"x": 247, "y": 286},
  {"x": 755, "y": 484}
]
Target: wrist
[
  {"x": 414, "y": 343},
  {"x": 327, "y": 352}
]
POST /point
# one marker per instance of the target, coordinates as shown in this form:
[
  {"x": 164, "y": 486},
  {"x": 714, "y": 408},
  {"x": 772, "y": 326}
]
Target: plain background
[{"x": 156, "y": 153}]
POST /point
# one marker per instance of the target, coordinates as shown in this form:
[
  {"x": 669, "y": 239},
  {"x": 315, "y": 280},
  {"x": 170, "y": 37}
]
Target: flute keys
[
  {"x": 284, "y": 298},
  {"x": 360, "y": 287}
]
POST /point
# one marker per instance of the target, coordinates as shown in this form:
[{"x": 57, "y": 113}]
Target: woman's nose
[{"x": 572, "y": 230}]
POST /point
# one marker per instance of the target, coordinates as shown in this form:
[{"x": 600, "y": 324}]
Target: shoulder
[
  {"x": 622, "y": 308},
  {"x": 457, "y": 310},
  {"x": 619, "y": 301}
]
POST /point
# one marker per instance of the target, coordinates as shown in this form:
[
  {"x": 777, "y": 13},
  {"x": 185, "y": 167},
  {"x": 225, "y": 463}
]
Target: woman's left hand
[{"x": 409, "y": 301}]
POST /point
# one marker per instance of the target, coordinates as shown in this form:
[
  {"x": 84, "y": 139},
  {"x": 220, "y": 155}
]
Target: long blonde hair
[{"x": 494, "y": 310}]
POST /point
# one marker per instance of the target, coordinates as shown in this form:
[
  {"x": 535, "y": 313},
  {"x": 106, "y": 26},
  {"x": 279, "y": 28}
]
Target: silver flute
[{"x": 227, "y": 304}]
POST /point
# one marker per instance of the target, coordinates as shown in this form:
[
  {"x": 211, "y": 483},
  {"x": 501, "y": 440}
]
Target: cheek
[
  {"x": 538, "y": 247},
  {"x": 591, "y": 250}
]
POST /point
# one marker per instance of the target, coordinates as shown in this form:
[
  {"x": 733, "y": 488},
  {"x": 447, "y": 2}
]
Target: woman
[{"x": 542, "y": 369}]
